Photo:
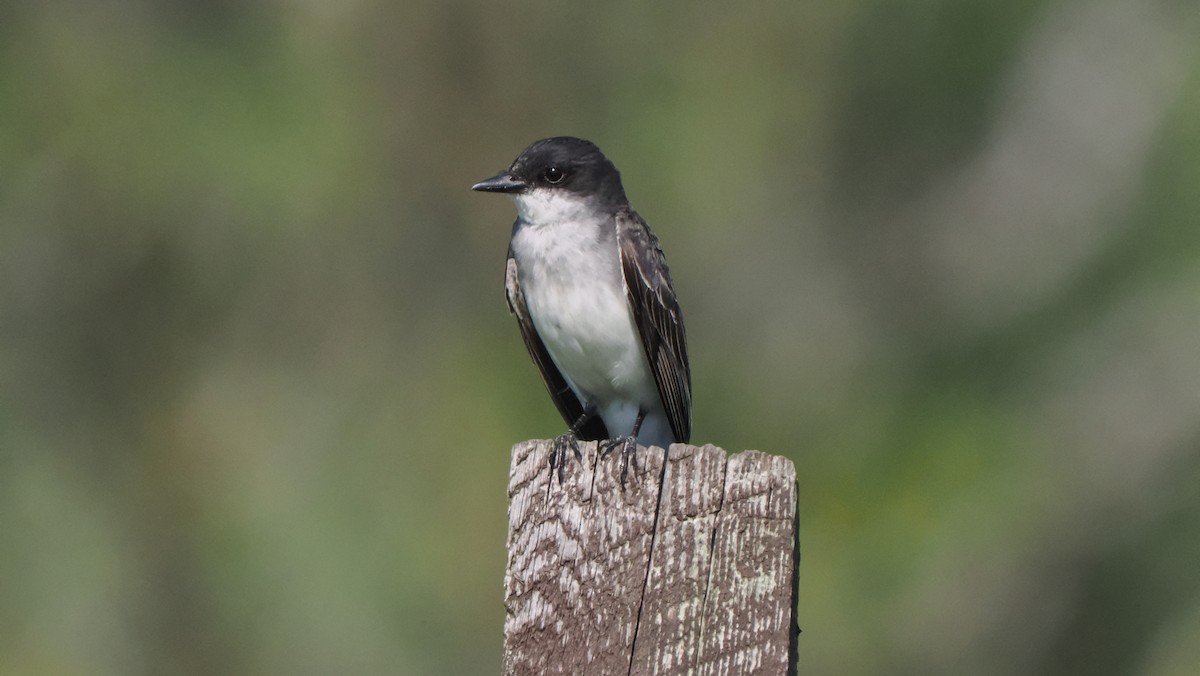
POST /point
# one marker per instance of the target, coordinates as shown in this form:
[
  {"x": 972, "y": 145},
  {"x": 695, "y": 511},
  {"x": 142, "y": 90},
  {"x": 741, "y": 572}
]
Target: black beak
[{"x": 502, "y": 182}]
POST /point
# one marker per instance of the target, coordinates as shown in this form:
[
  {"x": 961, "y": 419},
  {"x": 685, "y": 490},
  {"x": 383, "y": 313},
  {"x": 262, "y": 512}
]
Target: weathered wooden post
[{"x": 690, "y": 569}]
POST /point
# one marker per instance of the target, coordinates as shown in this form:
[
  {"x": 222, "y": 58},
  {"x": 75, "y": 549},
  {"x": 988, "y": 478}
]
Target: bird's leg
[
  {"x": 568, "y": 441},
  {"x": 628, "y": 447}
]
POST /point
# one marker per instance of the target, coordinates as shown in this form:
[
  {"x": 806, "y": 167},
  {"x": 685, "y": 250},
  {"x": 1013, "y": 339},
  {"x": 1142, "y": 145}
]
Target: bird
[{"x": 589, "y": 286}]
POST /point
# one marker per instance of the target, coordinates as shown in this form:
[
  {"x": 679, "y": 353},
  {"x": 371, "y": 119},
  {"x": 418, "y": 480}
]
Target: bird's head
[{"x": 555, "y": 178}]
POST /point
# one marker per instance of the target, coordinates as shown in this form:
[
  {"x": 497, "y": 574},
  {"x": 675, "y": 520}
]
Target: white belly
[
  {"x": 577, "y": 301},
  {"x": 589, "y": 332}
]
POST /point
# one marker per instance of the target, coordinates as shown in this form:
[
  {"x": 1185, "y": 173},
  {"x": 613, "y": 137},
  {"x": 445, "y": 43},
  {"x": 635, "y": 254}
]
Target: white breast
[{"x": 571, "y": 279}]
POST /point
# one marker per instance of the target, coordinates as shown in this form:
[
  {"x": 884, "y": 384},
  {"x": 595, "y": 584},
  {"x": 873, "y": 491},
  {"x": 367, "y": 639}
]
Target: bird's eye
[{"x": 554, "y": 174}]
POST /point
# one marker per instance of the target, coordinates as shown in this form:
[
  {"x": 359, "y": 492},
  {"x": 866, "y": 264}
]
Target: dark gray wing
[
  {"x": 657, "y": 315},
  {"x": 568, "y": 404}
]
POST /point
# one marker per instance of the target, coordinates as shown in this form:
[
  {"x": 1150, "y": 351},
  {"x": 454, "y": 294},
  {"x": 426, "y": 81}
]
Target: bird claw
[
  {"x": 628, "y": 447},
  {"x": 567, "y": 441}
]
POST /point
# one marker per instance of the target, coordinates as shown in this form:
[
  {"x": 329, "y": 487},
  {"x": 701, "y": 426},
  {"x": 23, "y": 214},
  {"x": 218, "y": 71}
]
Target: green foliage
[{"x": 259, "y": 381}]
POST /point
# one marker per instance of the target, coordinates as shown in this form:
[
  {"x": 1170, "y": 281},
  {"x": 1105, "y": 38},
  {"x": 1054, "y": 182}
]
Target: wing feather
[{"x": 658, "y": 318}]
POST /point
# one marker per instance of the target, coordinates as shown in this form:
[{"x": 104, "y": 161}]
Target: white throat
[{"x": 541, "y": 206}]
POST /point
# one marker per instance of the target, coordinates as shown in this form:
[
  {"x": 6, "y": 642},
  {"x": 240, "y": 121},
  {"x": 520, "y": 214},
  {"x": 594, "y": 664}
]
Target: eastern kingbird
[{"x": 590, "y": 289}]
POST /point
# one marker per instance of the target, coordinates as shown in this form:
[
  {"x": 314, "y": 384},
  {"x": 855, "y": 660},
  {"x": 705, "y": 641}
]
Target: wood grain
[{"x": 690, "y": 568}]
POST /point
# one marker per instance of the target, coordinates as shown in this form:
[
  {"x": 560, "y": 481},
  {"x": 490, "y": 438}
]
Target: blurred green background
[{"x": 258, "y": 381}]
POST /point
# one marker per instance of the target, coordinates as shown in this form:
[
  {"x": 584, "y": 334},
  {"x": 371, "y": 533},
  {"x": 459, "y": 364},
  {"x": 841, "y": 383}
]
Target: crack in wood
[{"x": 662, "y": 482}]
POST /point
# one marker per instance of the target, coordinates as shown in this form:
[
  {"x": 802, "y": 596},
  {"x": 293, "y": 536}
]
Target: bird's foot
[
  {"x": 567, "y": 441},
  {"x": 628, "y": 446}
]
